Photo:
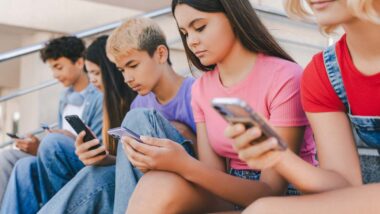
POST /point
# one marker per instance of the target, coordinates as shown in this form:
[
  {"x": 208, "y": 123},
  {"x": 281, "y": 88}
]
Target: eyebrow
[{"x": 191, "y": 24}]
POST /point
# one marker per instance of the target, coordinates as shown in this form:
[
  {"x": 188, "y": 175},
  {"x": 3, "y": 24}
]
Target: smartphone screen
[{"x": 234, "y": 111}]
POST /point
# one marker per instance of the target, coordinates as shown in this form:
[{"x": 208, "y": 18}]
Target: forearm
[
  {"x": 234, "y": 189},
  {"x": 363, "y": 199},
  {"x": 307, "y": 178}
]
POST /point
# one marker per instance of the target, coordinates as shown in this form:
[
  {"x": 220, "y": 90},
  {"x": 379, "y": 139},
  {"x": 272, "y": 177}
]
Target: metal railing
[{"x": 108, "y": 27}]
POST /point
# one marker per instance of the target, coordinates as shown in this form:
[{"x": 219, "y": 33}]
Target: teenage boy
[
  {"x": 139, "y": 49},
  {"x": 35, "y": 179}
]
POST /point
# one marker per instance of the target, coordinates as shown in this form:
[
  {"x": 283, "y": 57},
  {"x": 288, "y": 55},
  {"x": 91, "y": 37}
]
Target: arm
[
  {"x": 339, "y": 163},
  {"x": 208, "y": 173},
  {"x": 185, "y": 131}
]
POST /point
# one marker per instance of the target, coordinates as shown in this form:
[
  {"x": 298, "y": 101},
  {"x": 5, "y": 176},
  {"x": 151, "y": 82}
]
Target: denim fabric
[
  {"x": 144, "y": 122},
  {"x": 255, "y": 175},
  {"x": 90, "y": 191},
  {"x": 17, "y": 198},
  {"x": 37, "y": 179},
  {"x": 367, "y": 128},
  {"x": 93, "y": 110},
  {"x": 8, "y": 158}
]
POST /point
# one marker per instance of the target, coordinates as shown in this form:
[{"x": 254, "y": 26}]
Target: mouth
[
  {"x": 200, "y": 54},
  {"x": 136, "y": 87},
  {"x": 320, "y": 4}
]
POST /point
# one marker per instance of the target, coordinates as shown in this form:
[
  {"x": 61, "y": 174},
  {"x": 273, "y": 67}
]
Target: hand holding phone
[
  {"x": 234, "y": 111},
  {"x": 79, "y": 126}
]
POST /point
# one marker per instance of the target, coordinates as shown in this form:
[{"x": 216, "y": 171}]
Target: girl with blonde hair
[{"x": 340, "y": 93}]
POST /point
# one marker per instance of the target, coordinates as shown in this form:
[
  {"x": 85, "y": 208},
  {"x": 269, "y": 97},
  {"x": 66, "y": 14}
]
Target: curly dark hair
[{"x": 70, "y": 47}]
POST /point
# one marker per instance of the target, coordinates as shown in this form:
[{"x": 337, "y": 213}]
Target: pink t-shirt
[{"x": 272, "y": 89}]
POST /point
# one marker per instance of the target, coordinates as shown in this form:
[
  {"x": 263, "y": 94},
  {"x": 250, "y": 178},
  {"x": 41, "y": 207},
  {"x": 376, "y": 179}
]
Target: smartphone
[
  {"x": 45, "y": 126},
  {"x": 119, "y": 132},
  {"x": 79, "y": 126},
  {"x": 14, "y": 136},
  {"x": 235, "y": 110}
]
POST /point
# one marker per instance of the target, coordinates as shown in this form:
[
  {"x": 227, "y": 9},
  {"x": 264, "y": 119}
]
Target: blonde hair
[
  {"x": 363, "y": 9},
  {"x": 140, "y": 34}
]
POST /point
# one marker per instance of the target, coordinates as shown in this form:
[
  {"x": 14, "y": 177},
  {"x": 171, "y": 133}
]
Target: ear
[
  {"x": 162, "y": 54},
  {"x": 80, "y": 63}
]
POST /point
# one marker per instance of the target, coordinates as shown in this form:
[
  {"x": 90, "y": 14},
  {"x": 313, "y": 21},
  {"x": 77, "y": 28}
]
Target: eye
[
  {"x": 200, "y": 29},
  {"x": 134, "y": 66}
]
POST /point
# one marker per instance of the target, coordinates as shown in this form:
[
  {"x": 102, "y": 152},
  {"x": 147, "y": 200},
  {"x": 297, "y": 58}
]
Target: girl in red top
[{"x": 340, "y": 93}]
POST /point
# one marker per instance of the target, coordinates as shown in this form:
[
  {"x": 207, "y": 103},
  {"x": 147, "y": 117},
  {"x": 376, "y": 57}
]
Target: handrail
[
  {"x": 82, "y": 34},
  {"x": 35, "y": 132},
  {"x": 48, "y": 84},
  {"x": 28, "y": 90},
  {"x": 104, "y": 28}
]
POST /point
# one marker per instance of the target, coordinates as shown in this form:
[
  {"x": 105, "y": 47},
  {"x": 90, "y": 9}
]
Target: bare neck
[
  {"x": 236, "y": 66},
  {"x": 364, "y": 45},
  {"x": 81, "y": 83},
  {"x": 168, "y": 85}
]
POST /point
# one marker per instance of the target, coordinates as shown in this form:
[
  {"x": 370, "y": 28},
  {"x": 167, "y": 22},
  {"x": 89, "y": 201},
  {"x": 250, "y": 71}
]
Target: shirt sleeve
[
  {"x": 285, "y": 101},
  {"x": 317, "y": 93},
  {"x": 195, "y": 102}
]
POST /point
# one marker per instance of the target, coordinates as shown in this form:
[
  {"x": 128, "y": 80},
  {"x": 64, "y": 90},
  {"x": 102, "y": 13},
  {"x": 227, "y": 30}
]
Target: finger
[
  {"x": 142, "y": 147},
  {"x": 92, "y": 153},
  {"x": 135, "y": 157},
  {"x": 94, "y": 160},
  {"x": 84, "y": 147},
  {"x": 158, "y": 142},
  {"x": 233, "y": 131},
  {"x": 247, "y": 138},
  {"x": 258, "y": 150},
  {"x": 79, "y": 138}
]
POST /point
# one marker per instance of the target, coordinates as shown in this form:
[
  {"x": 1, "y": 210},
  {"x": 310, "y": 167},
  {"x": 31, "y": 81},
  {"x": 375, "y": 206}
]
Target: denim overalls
[{"x": 366, "y": 127}]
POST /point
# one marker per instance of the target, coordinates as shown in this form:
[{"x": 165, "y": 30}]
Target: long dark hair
[
  {"x": 246, "y": 24},
  {"x": 117, "y": 96}
]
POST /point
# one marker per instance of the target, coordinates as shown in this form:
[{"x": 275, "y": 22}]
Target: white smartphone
[{"x": 235, "y": 110}]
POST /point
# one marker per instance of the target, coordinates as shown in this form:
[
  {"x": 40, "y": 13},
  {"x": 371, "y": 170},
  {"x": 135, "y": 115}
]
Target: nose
[
  {"x": 192, "y": 41},
  {"x": 128, "y": 79}
]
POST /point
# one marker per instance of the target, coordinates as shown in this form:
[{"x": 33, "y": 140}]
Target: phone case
[
  {"x": 119, "y": 132},
  {"x": 234, "y": 110},
  {"x": 79, "y": 126}
]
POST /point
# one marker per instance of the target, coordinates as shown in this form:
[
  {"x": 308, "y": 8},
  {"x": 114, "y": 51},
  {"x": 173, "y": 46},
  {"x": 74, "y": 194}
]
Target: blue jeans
[
  {"x": 94, "y": 190},
  {"x": 143, "y": 122},
  {"x": 37, "y": 179},
  {"x": 90, "y": 191}
]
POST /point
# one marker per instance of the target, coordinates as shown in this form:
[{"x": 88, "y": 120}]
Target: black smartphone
[
  {"x": 119, "y": 132},
  {"x": 234, "y": 110},
  {"x": 79, "y": 126},
  {"x": 14, "y": 136}
]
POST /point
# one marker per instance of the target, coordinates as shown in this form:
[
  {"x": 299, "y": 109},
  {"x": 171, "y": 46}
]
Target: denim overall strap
[{"x": 335, "y": 77}]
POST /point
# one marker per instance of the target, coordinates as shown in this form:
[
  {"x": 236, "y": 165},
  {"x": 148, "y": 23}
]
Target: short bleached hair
[
  {"x": 363, "y": 9},
  {"x": 139, "y": 34}
]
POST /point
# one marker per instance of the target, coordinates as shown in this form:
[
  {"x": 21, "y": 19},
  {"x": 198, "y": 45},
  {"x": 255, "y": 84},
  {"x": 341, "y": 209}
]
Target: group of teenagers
[{"x": 190, "y": 160}]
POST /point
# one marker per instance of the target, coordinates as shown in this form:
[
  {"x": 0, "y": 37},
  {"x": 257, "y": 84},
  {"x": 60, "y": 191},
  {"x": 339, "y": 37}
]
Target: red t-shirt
[{"x": 318, "y": 95}]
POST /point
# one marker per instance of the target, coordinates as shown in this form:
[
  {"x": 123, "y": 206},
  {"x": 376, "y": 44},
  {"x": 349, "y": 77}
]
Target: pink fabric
[{"x": 272, "y": 89}]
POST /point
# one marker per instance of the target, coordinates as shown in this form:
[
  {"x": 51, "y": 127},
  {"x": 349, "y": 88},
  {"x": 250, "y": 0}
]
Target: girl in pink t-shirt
[{"x": 226, "y": 39}]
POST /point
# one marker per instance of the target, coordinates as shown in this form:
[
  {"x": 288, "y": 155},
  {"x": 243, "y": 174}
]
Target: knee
[
  {"x": 137, "y": 115},
  {"x": 25, "y": 165},
  {"x": 50, "y": 143},
  {"x": 159, "y": 191},
  {"x": 259, "y": 206}
]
